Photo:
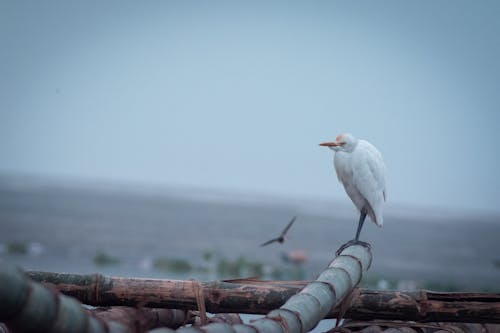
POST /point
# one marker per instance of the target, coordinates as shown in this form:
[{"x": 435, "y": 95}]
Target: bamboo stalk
[
  {"x": 220, "y": 296},
  {"x": 304, "y": 310},
  {"x": 300, "y": 312},
  {"x": 27, "y": 306},
  {"x": 142, "y": 319},
  {"x": 385, "y": 326},
  {"x": 259, "y": 297}
]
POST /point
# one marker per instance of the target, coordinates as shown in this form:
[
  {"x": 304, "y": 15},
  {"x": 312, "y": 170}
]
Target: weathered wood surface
[
  {"x": 141, "y": 319},
  {"x": 387, "y": 326},
  {"x": 253, "y": 296},
  {"x": 27, "y": 306},
  {"x": 259, "y": 297},
  {"x": 427, "y": 306},
  {"x": 301, "y": 312}
]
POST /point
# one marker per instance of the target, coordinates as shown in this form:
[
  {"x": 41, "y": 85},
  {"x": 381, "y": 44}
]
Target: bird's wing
[
  {"x": 288, "y": 226},
  {"x": 269, "y": 242},
  {"x": 369, "y": 177}
]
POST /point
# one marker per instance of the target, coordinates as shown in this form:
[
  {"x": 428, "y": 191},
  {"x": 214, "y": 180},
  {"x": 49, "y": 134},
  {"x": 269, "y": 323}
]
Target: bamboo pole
[
  {"x": 300, "y": 313},
  {"x": 220, "y": 296},
  {"x": 385, "y": 326},
  {"x": 141, "y": 319},
  {"x": 427, "y": 306},
  {"x": 27, "y": 306},
  {"x": 303, "y": 311},
  {"x": 259, "y": 297}
]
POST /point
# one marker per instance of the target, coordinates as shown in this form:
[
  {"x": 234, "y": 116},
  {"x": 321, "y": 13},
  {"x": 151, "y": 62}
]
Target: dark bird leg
[{"x": 362, "y": 217}]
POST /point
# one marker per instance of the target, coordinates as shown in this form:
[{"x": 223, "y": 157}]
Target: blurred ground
[{"x": 132, "y": 231}]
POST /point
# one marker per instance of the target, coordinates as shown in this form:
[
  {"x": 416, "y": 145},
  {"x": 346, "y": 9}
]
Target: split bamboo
[{"x": 259, "y": 297}]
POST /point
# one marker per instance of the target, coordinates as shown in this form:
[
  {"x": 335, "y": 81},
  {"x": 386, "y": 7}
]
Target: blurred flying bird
[
  {"x": 361, "y": 170},
  {"x": 281, "y": 239}
]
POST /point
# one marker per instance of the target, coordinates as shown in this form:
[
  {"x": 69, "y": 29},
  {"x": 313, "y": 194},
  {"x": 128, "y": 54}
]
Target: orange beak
[{"x": 329, "y": 144}]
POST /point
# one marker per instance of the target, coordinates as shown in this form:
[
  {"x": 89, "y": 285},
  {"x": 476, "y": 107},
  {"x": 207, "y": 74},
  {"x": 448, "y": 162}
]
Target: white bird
[{"x": 361, "y": 169}]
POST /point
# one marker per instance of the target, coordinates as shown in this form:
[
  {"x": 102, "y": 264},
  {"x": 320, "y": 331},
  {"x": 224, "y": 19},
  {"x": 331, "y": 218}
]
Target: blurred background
[{"x": 171, "y": 138}]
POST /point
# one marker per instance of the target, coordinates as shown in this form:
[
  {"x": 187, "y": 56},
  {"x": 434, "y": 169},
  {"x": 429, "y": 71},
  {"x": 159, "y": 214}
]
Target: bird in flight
[
  {"x": 281, "y": 239},
  {"x": 361, "y": 169}
]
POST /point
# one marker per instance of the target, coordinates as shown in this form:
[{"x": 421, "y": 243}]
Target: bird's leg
[
  {"x": 362, "y": 217},
  {"x": 356, "y": 240}
]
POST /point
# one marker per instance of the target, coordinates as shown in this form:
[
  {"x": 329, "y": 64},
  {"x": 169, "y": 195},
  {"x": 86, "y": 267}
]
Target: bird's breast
[{"x": 343, "y": 167}]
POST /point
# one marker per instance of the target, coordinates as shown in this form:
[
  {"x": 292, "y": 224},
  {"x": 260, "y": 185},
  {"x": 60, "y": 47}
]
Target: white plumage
[{"x": 360, "y": 168}]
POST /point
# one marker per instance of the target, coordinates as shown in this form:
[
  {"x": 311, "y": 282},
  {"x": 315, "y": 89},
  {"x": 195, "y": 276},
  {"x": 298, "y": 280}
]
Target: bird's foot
[{"x": 350, "y": 243}]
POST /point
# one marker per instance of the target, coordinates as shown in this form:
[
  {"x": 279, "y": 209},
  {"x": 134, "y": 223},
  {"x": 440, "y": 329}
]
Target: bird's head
[{"x": 343, "y": 142}]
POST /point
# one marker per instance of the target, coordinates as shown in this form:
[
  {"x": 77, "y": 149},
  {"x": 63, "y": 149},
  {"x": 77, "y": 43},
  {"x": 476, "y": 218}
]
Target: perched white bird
[{"x": 361, "y": 170}]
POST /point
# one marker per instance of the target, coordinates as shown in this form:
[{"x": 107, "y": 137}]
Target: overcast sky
[{"x": 237, "y": 95}]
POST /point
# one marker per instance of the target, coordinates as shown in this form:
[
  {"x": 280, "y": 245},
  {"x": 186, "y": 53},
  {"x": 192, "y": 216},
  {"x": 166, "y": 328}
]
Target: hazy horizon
[{"x": 319, "y": 204}]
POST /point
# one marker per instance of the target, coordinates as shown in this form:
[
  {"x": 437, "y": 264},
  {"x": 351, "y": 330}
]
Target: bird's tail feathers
[
  {"x": 377, "y": 215},
  {"x": 378, "y": 219}
]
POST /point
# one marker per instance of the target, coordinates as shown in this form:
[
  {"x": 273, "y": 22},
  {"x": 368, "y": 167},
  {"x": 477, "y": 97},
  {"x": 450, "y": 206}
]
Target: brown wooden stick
[{"x": 259, "y": 297}]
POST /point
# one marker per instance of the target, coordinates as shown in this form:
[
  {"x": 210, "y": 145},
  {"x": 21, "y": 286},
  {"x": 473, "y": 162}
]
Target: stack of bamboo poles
[
  {"x": 385, "y": 326},
  {"x": 28, "y": 306},
  {"x": 137, "y": 305},
  {"x": 255, "y": 296}
]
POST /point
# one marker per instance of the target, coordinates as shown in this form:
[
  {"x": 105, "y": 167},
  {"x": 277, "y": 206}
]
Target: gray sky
[{"x": 237, "y": 95}]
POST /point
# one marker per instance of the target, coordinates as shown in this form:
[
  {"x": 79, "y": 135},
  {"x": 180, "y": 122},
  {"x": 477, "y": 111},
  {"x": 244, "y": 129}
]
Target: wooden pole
[
  {"x": 220, "y": 296},
  {"x": 141, "y": 319},
  {"x": 28, "y": 306},
  {"x": 259, "y": 297}
]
